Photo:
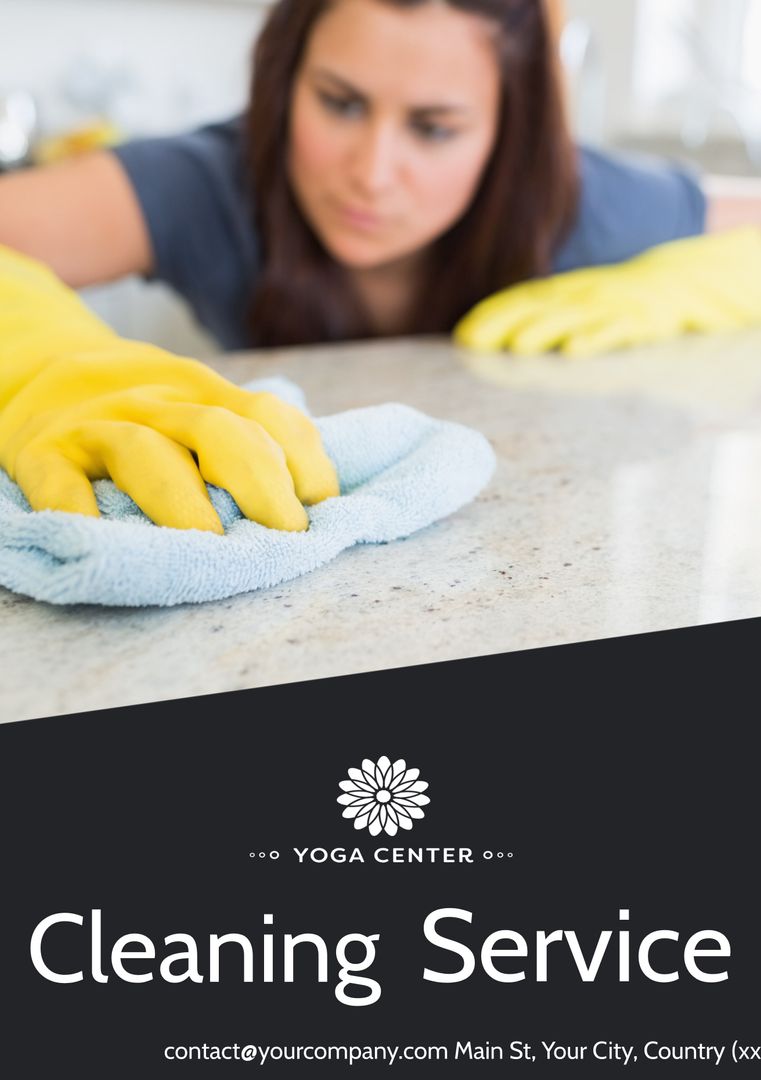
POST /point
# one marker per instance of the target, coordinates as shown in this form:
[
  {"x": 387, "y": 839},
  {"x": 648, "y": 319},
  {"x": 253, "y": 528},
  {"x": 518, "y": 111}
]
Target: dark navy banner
[{"x": 538, "y": 864}]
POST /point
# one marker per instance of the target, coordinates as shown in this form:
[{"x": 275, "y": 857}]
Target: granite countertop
[{"x": 626, "y": 500}]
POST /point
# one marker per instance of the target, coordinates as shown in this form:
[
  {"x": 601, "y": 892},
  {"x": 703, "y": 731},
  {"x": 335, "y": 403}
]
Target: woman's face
[{"x": 393, "y": 118}]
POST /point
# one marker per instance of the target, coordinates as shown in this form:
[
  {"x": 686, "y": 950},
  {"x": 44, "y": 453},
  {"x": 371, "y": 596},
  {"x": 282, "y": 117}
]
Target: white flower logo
[{"x": 383, "y": 796}]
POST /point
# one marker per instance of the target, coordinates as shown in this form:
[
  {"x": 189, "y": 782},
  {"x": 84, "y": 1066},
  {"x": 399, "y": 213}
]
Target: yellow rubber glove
[
  {"x": 79, "y": 403},
  {"x": 702, "y": 284}
]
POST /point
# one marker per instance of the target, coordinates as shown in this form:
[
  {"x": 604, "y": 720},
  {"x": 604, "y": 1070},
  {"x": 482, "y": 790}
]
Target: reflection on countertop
[{"x": 626, "y": 500}]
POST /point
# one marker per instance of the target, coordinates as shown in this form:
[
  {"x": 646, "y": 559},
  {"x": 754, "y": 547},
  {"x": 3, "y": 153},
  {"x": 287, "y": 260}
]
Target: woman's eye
[
  {"x": 341, "y": 106},
  {"x": 433, "y": 132}
]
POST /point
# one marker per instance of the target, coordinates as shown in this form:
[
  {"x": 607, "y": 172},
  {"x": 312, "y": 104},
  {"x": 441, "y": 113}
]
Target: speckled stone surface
[{"x": 627, "y": 499}]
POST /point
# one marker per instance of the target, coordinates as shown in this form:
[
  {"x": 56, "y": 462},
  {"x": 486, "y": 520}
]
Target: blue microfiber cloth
[{"x": 399, "y": 471}]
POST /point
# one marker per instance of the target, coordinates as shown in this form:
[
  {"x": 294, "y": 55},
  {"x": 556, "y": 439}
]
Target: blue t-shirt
[{"x": 199, "y": 217}]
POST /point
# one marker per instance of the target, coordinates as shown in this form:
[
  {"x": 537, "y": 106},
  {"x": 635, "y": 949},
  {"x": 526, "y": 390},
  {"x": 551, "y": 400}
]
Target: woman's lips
[{"x": 364, "y": 220}]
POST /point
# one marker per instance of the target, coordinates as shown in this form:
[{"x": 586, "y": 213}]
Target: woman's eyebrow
[
  {"x": 323, "y": 73},
  {"x": 420, "y": 110},
  {"x": 416, "y": 110}
]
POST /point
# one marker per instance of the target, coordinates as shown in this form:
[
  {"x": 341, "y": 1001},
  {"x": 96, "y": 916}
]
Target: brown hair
[{"x": 523, "y": 206}]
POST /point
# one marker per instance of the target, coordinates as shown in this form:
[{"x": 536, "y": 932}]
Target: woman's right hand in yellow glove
[{"x": 79, "y": 404}]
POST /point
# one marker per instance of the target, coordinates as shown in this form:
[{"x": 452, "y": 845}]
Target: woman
[{"x": 400, "y": 161}]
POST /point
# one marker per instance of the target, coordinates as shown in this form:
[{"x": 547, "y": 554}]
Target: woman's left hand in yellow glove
[
  {"x": 701, "y": 284},
  {"x": 79, "y": 404}
]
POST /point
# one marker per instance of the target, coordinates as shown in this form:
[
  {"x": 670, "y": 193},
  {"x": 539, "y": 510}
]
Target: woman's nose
[{"x": 375, "y": 160}]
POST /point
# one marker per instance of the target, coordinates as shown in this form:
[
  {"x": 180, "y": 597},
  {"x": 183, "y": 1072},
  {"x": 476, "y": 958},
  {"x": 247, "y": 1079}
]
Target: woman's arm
[
  {"x": 732, "y": 202},
  {"x": 80, "y": 217}
]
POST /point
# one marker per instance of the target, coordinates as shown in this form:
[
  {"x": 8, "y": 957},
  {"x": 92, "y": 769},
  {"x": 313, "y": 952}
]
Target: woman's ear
[{"x": 557, "y": 16}]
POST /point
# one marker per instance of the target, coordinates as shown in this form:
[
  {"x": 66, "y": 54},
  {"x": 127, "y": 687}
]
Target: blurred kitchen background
[{"x": 680, "y": 78}]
